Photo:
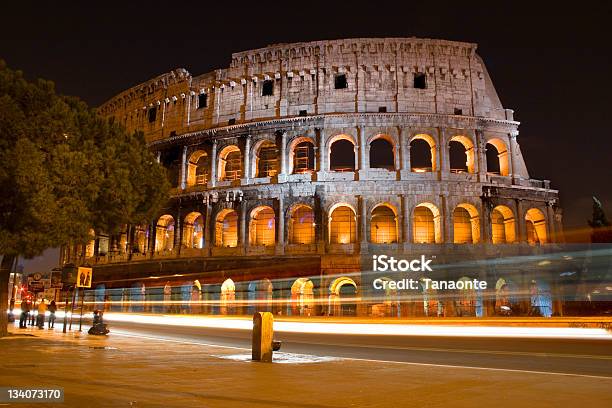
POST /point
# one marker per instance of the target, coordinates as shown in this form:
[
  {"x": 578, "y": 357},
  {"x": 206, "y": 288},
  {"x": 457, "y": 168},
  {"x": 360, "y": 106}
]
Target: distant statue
[{"x": 602, "y": 229}]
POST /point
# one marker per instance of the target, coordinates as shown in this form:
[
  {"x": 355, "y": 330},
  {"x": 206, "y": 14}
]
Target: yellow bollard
[{"x": 263, "y": 332}]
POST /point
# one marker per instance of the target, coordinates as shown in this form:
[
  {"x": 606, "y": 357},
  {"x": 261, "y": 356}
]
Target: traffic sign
[{"x": 84, "y": 277}]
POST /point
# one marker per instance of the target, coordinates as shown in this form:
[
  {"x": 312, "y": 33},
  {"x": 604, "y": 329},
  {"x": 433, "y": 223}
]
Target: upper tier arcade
[{"x": 392, "y": 75}]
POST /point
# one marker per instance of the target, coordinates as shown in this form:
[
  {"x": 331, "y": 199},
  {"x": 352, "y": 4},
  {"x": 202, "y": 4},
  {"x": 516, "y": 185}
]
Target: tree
[
  {"x": 64, "y": 171},
  {"x": 602, "y": 229}
]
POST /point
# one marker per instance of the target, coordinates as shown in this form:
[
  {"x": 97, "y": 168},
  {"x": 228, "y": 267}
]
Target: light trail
[{"x": 350, "y": 328}]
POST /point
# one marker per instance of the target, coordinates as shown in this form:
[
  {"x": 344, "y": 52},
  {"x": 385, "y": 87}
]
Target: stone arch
[
  {"x": 427, "y": 163},
  {"x": 497, "y": 157},
  {"x": 426, "y": 224},
  {"x": 193, "y": 230},
  {"x": 503, "y": 225},
  {"x": 506, "y": 292},
  {"x": 466, "y": 224},
  {"x": 467, "y": 155},
  {"x": 262, "y": 226},
  {"x": 164, "y": 233},
  {"x": 432, "y": 306},
  {"x": 302, "y": 297},
  {"x": 265, "y": 159},
  {"x": 302, "y": 155},
  {"x": 228, "y": 297},
  {"x": 230, "y": 163},
  {"x": 535, "y": 225},
  {"x": 301, "y": 224},
  {"x": 198, "y": 168},
  {"x": 469, "y": 300},
  {"x": 339, "y": 157},
  {"x": 342, "y": 224},
  {"x": 226, "y": 228},
  {"x": 383, "y": 224},
  {"x": 260, "y": 295},
  {"x": 383, "y": 152},
  {"x": 342, "y": 297}
]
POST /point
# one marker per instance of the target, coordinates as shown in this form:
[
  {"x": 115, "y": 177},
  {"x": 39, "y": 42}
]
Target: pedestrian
[
  {"x": 52, "y": 310},
  {"x": 25, "y": 310},
  {"x": 33, "y": 313},
  {"x": 42, "y": 309}
]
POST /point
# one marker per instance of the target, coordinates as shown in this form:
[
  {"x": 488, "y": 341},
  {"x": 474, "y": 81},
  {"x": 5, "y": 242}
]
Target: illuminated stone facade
[{"x": 312, "y": 154}]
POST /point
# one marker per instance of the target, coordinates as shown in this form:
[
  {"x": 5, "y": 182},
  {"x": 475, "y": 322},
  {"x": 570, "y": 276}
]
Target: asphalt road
[{"x": 563, "y": 356}]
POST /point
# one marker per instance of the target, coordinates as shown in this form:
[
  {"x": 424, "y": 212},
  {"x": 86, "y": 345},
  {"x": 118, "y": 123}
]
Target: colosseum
[{"x": 296, "y": 163}]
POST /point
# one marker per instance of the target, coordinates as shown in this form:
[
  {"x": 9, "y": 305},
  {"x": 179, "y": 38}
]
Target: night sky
[{"x": 551, "y": 64}]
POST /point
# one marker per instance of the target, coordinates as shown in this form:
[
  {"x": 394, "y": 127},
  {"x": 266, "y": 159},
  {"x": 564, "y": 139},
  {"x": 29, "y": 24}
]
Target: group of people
[{"x": 33, "y": 313}]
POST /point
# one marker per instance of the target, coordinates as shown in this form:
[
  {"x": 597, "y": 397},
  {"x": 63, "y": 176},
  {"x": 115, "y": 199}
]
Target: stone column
[
  {"x": 363, "y": 224},
  {"x": 363, "y": 149},
  {"x": 280, "y": 242},
  {"x": 321, "y": 153},
  {"x": 404, "y": 135},
  {"x": 213, "y": 165},
  {"x": 511, "y": 148},
  {"x": 406, "y": 220},
  {"x": 208, "y": 227},
  {"x": 184, "y": 169},
  {"x": 246, "y": 172},
  {"x": 178, "y": 232},
  {"x": 444, "y": 155},
  {"x": 486, "y": 227},
  {"x": 481, "y": 155},
  {"x": 520, "y": 219},
  {"x": 242, "y": 234},
  {"x": 550, "y": 223},
  {"x": 447, "y": 221},
  {"x": 283, "y": 158}
]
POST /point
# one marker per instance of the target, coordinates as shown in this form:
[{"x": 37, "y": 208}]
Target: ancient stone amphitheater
[{"x": 298, "y": 161}]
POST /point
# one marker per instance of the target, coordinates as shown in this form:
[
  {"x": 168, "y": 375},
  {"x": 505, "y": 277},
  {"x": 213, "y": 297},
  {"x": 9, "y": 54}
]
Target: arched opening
[
  {"x": 343, "y": 297},
  {"x": 382, "y": 153},
  {"x": 267, "y": 160},
  {"x": 342, "y": 225},
  {"x": 383, "y": 225},
  {"x": 502, "y": 225},
  {"x": 426, "y": 224},
  {"x": 196, "y": 297},
  {"x": 230, "y": 163},
  {"x": 197, "y": 168},
  {"x": 262, "y": 229},
  {"x": 390, "y": 305},
  {"x": 466, "y": 224},
  {"x": 302, "y": 297},
  {"x": 461, "y": 154},
  {"x": 342, "y": 155},
  {"x": 302, "y": 225},
  {"x": 541, "y": 298},
  {"x": 193, "y": 230},
  {"x": 226, "y": 229},
  {"x": 422, "y": 154},
  {"x": 506, "y": 301},
  {"x": 432, "y": 307},
  {"x": 141, "y": 239},
  {"x": 260, "y": 296},
  {"x": 497, "y": 157},
  {"x": 303, "y": 157},
  {"x": 164, "y": 236},
  {"x": 137, "y": 297},
  {"x": 469, "y": 301},
  {"x": 228, "y": 297},
  {"x": 535, "y": 226}
]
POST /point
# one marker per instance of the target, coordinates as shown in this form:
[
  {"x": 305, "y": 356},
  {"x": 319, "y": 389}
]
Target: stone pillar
[
  {"x": 242, "y": 234},
  {"x": 404, "y": 136},
  {"x": 447, "y": 221},
  {"x": 184, "y": 169},
  {"x": 280, "y": 242},
  {"x": 208, "y": 228},
  {"x": 406, "y": 220},
  {"x": 444, "y": 155},
  {"x": 178, "y": 232},
  {"x": 486, "y": 227},
  {"x": 363, "y": 224},
  {"x": 481, "y": 155},
  {"x": 550, "y": 223},
  {"x": 363, "y": 149},
  {"x": 520, "y": 220},
  {"x": 246, "y": 173},
  {"x": 213, "y": 165},
  {"x": 511, "y": 148},
  {"x": 283, "y": 158}
]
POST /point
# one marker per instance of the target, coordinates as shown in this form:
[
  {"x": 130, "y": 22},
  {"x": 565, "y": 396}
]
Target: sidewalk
[{"x": 118, "y": 371}]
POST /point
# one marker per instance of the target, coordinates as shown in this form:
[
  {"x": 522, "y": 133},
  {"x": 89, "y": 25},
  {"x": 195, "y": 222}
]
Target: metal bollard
[{"x": 263, "y": 332}]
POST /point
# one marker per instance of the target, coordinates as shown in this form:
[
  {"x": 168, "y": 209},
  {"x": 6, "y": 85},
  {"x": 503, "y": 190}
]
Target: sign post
[
  {"x": 68, "y": 281},
  {"x": 84, "y": 278}
]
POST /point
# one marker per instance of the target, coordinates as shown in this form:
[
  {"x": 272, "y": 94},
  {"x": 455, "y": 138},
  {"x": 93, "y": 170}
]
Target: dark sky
[{"x": 551, "y": 63}]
